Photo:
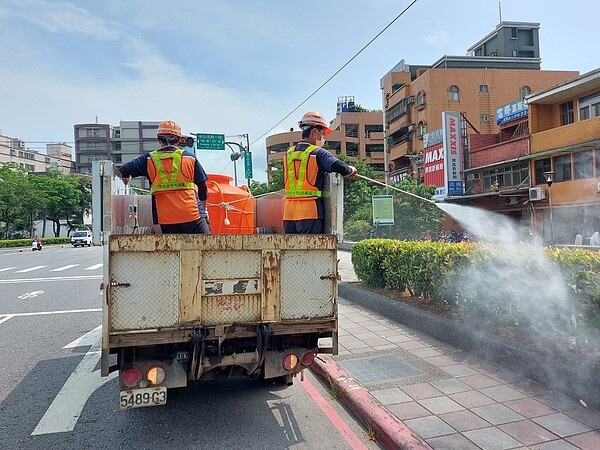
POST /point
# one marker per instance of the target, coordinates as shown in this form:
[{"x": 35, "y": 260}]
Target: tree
[{"x": 12, "y": 187}]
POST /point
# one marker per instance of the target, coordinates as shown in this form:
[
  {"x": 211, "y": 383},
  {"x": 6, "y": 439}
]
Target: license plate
[{"x": 139, "y": 398}]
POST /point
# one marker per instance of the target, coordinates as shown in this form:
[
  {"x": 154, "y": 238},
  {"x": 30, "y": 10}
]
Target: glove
[{"x": 353, "y": 173}]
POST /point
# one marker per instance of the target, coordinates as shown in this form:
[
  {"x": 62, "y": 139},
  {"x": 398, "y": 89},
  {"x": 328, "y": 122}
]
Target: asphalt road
[{"x": 52, "y": 396}]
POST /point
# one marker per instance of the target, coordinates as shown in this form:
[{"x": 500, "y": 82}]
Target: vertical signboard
[
  {"x": 433, "y": 162},
  {"x": 248, "y": 165},
  {"x": 453, "y": 152},
  {"x": 383, "y": 210}
]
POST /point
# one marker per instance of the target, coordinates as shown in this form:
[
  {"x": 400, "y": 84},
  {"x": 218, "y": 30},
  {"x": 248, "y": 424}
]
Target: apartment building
[
  {"x": 564, "y": 123},
  {"x": 58, "y": 156},
  {"x": 502, "y": 67},
  {"x": 120, "y": 144},
  {"x": 354, "y": 134}
]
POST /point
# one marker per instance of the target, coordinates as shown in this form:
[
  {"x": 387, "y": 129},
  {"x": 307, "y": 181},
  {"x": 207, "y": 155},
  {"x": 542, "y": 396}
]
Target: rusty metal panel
[
  {"x": 308, "y": 284},
  {"x": 144, "y": 290},
  {"x": 228, "y": 309},
  {"x": 271, "y": 282},
  {"x": 230, "y": 265},
  {"x": 189, "y": 287}
]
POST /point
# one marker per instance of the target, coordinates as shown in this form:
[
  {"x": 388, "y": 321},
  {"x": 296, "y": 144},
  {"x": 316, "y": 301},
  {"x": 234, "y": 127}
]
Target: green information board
[
  {"x": 248, "y": 165},
  {"x": 383, "y": 210},
  {"x": 206, "y": 141}
]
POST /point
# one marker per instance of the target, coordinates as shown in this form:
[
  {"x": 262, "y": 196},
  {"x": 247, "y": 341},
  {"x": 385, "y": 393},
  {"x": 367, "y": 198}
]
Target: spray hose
[{"x": 396, "y": 189}]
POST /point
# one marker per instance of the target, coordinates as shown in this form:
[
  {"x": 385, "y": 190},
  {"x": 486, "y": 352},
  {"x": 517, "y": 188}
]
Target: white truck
[{"x": 183, "y": 308}]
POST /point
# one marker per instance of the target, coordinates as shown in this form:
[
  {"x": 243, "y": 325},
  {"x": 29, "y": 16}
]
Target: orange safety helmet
[
  {"x": 314, "y": 119},
  {"x": 169, "y": 127}
]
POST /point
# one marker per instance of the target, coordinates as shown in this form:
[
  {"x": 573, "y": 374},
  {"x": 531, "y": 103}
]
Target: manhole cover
[{"x": 380, "y": 369}]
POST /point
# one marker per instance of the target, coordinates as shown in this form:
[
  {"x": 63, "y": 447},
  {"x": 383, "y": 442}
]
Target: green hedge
[
  {"x": 27, "y": 242},
  {"x": 513, "y": 284}
]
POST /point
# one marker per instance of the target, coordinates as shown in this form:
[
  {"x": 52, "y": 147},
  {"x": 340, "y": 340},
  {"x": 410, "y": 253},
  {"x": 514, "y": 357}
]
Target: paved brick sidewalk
[{"x": 449, "y": 398}]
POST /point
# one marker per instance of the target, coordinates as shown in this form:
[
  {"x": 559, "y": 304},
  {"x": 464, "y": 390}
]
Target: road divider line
[
  {"x": 4, "y": 319},
  {"x": 30, "y": 269},
  {"x": 40, "y": 280},
  {"x": 66, "y": 408},
  {"x": 94, "y": 267},
  {"x": 48, "y": 313},
  {"x": 7, "y": 268},
  {"x": 60, "y": 269},
  {"x": 86, "y": 339}
]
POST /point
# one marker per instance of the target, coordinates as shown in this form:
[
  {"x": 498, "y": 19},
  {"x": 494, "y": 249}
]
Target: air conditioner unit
[
  {"x": 472, "y": 176},
  {"x": 511, "y": 201},
  {"x": 537, "y": 193}
]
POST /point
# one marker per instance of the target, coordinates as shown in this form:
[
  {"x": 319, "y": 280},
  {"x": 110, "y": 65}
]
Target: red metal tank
[{"x": 230, "y": 208}]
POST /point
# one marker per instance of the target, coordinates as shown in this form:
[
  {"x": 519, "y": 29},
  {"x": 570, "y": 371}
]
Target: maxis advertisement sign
[
  {"x": 433, "y": 167},
  {"x": 453, "y": 152}
]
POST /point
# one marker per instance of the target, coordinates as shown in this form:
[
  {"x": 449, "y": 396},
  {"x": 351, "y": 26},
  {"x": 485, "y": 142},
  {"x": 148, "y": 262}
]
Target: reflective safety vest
[
  {"x": 174, "y": 194},
  {"x": 300, "y": 190},
  {"x": 172, "y": 183}
]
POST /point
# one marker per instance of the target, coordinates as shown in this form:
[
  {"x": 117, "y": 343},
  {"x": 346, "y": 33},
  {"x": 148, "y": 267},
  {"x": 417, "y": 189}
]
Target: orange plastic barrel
[{"x": 230, "y": 208}]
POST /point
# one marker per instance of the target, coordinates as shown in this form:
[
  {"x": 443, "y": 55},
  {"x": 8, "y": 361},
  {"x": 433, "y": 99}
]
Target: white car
[{"x": 81, "y": 238}]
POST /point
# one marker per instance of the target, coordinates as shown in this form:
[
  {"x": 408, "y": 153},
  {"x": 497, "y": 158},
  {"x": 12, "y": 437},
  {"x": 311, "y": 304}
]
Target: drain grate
[{"x": 380, "y": 369}]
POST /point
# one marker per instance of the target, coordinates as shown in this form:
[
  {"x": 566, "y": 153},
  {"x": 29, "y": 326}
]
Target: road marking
[
  {"x": 65, "y": 410},
  {"x": 7, "y": 268},
  {"x": 60, "y": 269},
  {"x": 39, "y": 280},
  {"x": 8, "y": 317},
  {"x": 30, "y": 269},
  {"x": 31, "y": 294},
  {"x": 346, "y": 432},
  {"x": 85, "y": 340},
  {"x": 49, "y": 313},
  {"x": 94, "y": 267}
]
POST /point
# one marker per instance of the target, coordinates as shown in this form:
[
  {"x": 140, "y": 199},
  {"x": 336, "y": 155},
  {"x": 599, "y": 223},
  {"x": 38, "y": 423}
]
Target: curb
[{"x": 390, "y": 432}]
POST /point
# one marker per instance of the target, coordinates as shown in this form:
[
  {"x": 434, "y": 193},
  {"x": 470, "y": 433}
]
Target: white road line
[
  {"x": 40, "y": 280},
  {"x": 30, "y": 269},
  {"x": 48, "y": 313},
  {"x": 65, "y": 410},
  {"x": 94, "y": 267},
  {"x": 85, "y": 340},
  {"x": 8, "y": 317},
  {"x": 7, "y": 268},
  {"x": 60, "y": 269}
]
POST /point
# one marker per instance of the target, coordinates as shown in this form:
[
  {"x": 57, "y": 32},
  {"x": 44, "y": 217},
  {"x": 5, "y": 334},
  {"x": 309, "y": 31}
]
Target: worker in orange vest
[
  {"x": 177, "y": 183},
  {"x": 305, "y": 165}
]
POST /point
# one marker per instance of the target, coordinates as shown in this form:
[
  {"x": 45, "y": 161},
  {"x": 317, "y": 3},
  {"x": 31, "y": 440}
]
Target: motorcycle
[{"x": 36, "y": 246}]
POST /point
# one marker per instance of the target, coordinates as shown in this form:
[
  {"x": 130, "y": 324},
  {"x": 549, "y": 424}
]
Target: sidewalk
[{"x": 418, "y": 392}]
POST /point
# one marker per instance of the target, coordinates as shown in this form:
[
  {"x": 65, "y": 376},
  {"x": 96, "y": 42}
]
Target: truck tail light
[
  {"x": 131, "y": 377},
  {"x": 156, "y": 375},
  {"x": 308, "y": 358},
  {"x": 290, "y": 361}
]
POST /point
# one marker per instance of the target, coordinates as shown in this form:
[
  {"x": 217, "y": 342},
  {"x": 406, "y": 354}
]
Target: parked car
[{"x": 81, "y": 238}]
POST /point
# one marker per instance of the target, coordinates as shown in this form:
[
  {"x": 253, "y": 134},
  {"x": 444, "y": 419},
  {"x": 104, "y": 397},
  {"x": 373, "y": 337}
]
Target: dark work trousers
[
  {"x": 194, "y": 227},
  {"x": 309, "y": 226}
]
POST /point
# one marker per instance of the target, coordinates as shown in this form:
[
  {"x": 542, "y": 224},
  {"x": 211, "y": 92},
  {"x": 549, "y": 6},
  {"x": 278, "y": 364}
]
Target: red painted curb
[{"x": 390, "y": 432}]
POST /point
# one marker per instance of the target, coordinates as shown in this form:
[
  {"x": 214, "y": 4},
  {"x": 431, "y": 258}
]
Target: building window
[
  {"x": 88, "y": 132},
  {"x": 562, "y": 167},
  {"x": 589, "y": 106},
  {"x": 513, "y": 33},
  {"x": 351, "y": 149},
  {"x": 541, "y": 166},
  {"x": 420, "y": 98},
  {"x": 351, "y": 130},
  {"x": 453, "y": 93},
  {"x": 525, "y": 91},
  {"x": 421, "y": 129},
  {"x": 370, "y": 148},
  {"x": 118, "y": 159},
  {"x": 484, "y": 118},
  {"x": 515, "y": 53},
  {"x": 566, "y": 113},
  {"x": 583, "y": 165},
  {"x": 484, "y": 88},
  {"x": 506, "y": 176}
]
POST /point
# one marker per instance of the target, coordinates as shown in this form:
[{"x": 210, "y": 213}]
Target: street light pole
[
  {"x": 549, "y": 180},
  {"x": 235, "y": 156}
]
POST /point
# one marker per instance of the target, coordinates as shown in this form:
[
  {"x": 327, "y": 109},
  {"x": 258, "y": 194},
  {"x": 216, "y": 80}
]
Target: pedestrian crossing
[{"x": 46, "y": 268}]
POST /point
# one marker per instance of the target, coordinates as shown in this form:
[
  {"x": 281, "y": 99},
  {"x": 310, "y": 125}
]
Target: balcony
[{"x": 563, "y": 136}]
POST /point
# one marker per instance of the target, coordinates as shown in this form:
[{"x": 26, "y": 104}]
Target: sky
[{"x": 239, "y": 67}]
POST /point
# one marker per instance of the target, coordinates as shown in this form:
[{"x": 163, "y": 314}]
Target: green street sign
[
  {"x": 248, "y": 165},
  {"x": 205, "y": 141},
  {"x": 383, "y": 210}
]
